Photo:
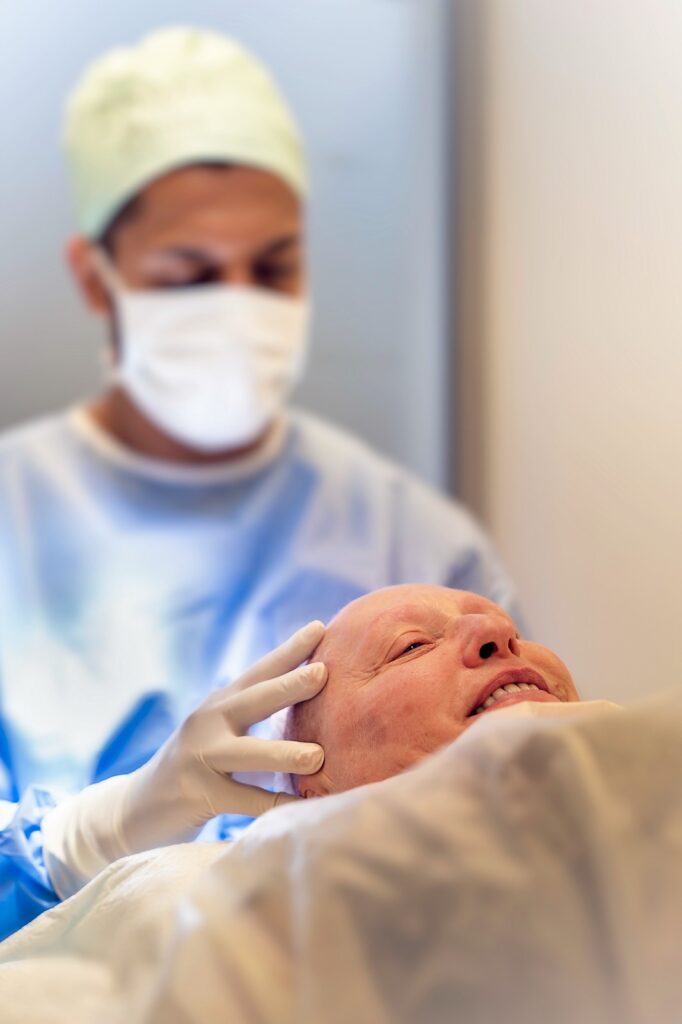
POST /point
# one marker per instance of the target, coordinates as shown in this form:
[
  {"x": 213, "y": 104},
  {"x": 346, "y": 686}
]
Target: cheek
[
  {"x": 414, "y": 700},
  {"x": 553, "y": 667},
  {"x": 360, "y": 727},
  {"x": 381, "y": 732}
]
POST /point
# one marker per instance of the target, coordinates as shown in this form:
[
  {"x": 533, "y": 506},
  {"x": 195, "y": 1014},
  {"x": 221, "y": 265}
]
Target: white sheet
[
  {"x": 92, "y": 957},
  {"x": 530, "y": 872}
]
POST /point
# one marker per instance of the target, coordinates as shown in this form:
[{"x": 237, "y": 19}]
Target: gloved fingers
[
  {"x": 240, "y": 798},
  {"x": 284, "y": 658},
  {"x": 253, "y": 754},
  {"x": 261, "y": 700}
]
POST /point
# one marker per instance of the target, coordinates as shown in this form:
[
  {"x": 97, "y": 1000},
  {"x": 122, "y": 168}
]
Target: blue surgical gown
[{"x": 128, "y": 590}]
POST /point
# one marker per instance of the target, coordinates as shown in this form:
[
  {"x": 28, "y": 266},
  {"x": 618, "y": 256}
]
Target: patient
[{"x": 410, "y": 668}]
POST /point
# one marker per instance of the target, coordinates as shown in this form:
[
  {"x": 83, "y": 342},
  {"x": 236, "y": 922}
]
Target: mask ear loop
[
  {"x": 114, "y": 285},
  {"x": 109, "y": 275}
]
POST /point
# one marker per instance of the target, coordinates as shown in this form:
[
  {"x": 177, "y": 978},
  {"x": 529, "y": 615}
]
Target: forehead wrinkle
[{"x": 414, "y": 613}]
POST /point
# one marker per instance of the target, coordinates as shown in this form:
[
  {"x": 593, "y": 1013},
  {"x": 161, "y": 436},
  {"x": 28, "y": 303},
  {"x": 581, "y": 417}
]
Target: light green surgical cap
[{"x": 181, "y": 96}]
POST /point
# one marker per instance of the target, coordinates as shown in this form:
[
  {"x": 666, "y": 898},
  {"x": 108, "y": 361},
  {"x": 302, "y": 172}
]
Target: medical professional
[{"x": 158, "y": 540}]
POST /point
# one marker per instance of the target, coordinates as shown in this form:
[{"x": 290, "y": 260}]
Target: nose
[
  {"x": 488, "y": 636},
  {"x": 239, "y": 274}
]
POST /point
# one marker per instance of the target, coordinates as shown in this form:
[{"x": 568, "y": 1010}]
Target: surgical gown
[{"x": 129, "y": 589}]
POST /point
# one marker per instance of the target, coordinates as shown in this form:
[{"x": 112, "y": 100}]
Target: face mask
[{"x": 210, "y": 365}]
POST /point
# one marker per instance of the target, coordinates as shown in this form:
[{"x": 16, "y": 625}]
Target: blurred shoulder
[
  {"x": 30, "y": 442},
  {"x": 344, "y": 460}
]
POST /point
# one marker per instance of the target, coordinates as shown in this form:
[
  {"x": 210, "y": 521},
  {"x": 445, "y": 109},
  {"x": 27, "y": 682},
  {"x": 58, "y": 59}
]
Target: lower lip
[{"x": 536, "y": 696}]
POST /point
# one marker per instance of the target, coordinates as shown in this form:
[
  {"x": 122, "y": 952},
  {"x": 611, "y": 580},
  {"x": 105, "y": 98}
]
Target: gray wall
[{"x": 366, "y": 78}]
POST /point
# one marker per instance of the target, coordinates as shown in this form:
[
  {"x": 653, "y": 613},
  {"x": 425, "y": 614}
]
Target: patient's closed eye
[
  {"x": 413, "y": 646},
  {"x": 404, "y": 646}
]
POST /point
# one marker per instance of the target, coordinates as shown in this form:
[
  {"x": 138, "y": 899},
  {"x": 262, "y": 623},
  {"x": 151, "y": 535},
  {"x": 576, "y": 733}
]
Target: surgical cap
[{"x": 181, "y": 96}]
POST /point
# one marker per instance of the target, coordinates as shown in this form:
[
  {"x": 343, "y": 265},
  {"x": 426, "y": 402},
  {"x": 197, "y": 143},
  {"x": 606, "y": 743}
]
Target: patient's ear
[{"x": 314, "y": 785}]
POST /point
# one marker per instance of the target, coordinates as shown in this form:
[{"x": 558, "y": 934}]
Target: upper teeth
[{"x": 502, "y": 691}]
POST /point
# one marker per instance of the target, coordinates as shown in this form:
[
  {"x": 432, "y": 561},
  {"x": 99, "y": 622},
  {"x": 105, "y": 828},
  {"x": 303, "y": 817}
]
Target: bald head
[{"x": 411, "y": 667}]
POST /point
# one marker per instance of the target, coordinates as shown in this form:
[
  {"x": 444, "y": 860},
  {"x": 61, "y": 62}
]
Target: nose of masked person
[{"x": 488, "y": 638}]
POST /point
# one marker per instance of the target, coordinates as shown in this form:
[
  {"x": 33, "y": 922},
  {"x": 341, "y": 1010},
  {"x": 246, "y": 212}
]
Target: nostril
[
  {"x": 487, "y": 650},
  {"x": 513, "y": 646}
]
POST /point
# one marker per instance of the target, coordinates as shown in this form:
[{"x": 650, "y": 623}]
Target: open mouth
[{"x": 511, "y": 684}]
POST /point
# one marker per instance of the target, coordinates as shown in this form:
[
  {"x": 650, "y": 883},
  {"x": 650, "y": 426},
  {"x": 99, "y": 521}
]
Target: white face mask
[{"x": 210, "y": 365}]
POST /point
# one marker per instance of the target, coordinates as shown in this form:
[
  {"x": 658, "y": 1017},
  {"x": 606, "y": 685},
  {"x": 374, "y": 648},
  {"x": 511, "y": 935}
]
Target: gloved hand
[{"x": 188, "y": 781}]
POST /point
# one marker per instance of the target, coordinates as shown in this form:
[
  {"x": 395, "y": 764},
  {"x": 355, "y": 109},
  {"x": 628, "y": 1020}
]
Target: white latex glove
[{"x": 188, "y": 781}]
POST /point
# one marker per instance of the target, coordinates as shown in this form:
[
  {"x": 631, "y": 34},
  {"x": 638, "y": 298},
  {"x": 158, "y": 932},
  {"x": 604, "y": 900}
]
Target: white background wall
[
  {"x": 366, "y": 79},
  {"x": 573, "y": 326}
]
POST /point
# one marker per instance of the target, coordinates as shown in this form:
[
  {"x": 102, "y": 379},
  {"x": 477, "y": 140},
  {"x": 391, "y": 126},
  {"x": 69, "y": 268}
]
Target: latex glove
[{"x": 188, "y": 781}]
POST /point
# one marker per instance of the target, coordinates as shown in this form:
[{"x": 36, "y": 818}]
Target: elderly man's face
[{"x": 410, "y": 668}]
